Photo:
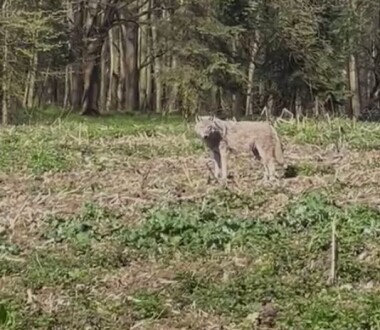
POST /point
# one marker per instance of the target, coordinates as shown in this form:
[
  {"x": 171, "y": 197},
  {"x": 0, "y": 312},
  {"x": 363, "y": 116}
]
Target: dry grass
[{"x": 51, "y": 172}]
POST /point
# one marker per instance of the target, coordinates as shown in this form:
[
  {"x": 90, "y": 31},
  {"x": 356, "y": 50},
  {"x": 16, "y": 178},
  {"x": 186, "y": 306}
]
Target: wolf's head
[{"x": 206, "y": 126}]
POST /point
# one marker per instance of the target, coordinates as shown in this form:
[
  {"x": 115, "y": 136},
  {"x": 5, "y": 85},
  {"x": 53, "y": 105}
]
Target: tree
[{"x": 221, "y": 56}]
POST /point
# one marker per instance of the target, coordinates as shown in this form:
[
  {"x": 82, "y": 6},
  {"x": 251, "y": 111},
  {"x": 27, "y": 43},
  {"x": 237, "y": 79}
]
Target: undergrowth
[
  {"x": 70, "y": 142},
  {"x": 290, "y": 256},
  {"x": 212, "y": 257}
]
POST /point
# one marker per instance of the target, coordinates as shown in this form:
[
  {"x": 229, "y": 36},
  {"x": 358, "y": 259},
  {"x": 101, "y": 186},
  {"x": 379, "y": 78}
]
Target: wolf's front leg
[
  {"x": 223, "y": 157},
  {"x": 215, "y": 155}
]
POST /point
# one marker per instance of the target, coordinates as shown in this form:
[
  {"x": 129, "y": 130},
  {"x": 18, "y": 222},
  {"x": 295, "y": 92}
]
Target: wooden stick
[{"x": 334, "y": 253}]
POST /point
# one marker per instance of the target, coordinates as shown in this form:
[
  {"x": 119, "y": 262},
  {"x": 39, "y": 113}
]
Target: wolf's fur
[{"x": 257, "y": 138}]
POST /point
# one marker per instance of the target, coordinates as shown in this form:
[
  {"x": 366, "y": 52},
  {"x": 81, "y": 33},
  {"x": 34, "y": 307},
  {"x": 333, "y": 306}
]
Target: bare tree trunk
[
  {"x": 157, "y": 64},
  {"x": 32, "y": 81},
  {"x": 131, "y": 67},
  {"x": 122, "y": 70},
  {"x": 5, "y": 73},
  {"x": 76, "y": 85},
  {"x": 353, "y": 82},
  {"x": 25, "y": 99},
  {"x": 91, "y": 80},
  {"x": 316, "y": 106},
  {"x": 145, "y": 88},
  {"x": 104, "y": 76},
  {"x": 298, "y": 107},
  {"x": 172, "y": 63},
  {"x": 54, "y": 90},
  {"x": 168, "y": 93},
  {"x": 235, "y": 98},
  {"x": 370, "y": 80},
  {"x": 354, "y": 87},
  {"x": 268, "y": 108},
  {"x": 111, "y": 82},
  {"x": 174, "y": 89},
  {"x": 75, "y": 15},
  {"x": 374, "y": 96},
  {"x": 251, "y": 71},
  {"x": 91, "y": 65},
  {"x": 96, "y": 31},
  {"x": 237, "y": 104},
  {"x": 66, "y": 98}
]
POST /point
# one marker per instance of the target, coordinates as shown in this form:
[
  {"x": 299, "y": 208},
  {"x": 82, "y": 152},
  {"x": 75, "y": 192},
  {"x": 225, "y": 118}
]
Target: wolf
[{"x": 257, "y": 138}]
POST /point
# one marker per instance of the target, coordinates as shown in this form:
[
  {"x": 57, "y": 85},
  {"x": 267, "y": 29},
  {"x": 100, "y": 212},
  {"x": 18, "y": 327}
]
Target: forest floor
[{"x": 114, "y": 223}]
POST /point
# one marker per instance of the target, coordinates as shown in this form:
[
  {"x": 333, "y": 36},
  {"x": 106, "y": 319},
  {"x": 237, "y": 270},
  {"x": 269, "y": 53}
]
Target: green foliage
[
  {"x": 184, "y": 263},
  {"x": 203, "y": 46},
  {"x": 147, "y": 305},
  {"x": 310, "y": 169},
  {"x": 287, "y": 271},
  {"x": 44, "y": 160},
  {"x": 93, "y": 224},
  {"x": 3, "y": 314},
  {"x": 312, "y": 210},
  {"x": 76, "y": 141},
  {"x": 194, "y": 229},
  {"x": 364, "y": 136},
  {"x": 292, "y": 249},
  {"x": 48, "y": 269},
  {"x": 32, "y": 32},
  {"x": 303, "y": 48},
  {"x": 7, "y": 247}
]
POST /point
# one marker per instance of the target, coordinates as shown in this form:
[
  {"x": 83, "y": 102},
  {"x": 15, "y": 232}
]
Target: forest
[{"x": 236, "y": 57}]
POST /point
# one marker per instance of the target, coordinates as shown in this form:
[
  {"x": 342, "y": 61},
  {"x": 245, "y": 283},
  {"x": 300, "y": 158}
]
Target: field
[{"x": 117, "y": 223}]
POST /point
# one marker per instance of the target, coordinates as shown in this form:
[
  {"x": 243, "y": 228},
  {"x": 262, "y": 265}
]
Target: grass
[{"x": 114, "y": 223}]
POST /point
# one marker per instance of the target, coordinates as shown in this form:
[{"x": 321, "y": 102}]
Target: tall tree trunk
[
  {"x": 131, "y": 67},
  {"x": 76, "y": 85},
  {"x": 122, "y": 70},
  {"x": 353, "y": 79},
  {"x": 75, "y": 15},
  {"x": 66, "y": 98},
  {"x": 298, "y": 106},
  {"x": 236, "y": 99},
  {"x": 236, "y": 94},
  {"x": 32, "y": 81},
  {"x": 145, "y": 79},
  {"x": 237, "y": 104},
  {"x": 111, "y": 83},
  {"x": 174, "y": 89},
  {"x": 354, "y": 87},
  {"x": 5, "y": 69},
  {"x": 96, "y": 31},
  {"x": 251, "y": 71},
  {"x": 91, "y": 79},
  {"x": 316, "y": 107},
  {"x": 26, "y": 92},
  {"x": 104, "y": 77},
  {"x": 374, "y": 95},
  {"x": 157, "y": 64}
]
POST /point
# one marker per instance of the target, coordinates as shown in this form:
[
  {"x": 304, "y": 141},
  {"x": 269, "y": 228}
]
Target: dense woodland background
[{"x": 238, "y": 57}]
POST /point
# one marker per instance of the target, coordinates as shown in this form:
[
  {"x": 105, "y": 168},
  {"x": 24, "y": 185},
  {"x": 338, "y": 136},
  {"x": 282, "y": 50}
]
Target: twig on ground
[
  {"x": 144, "y": 179},
  {"x": 334, "y": 253},
  {"x": 187, "y": 173},
  {"x": 12, "y": 222}
]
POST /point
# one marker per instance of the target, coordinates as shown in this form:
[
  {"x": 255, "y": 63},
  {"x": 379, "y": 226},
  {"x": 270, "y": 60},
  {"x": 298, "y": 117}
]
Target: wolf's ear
[
  {"x": 197, "y": 119},
  {"x": 212, "y": 117}
]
